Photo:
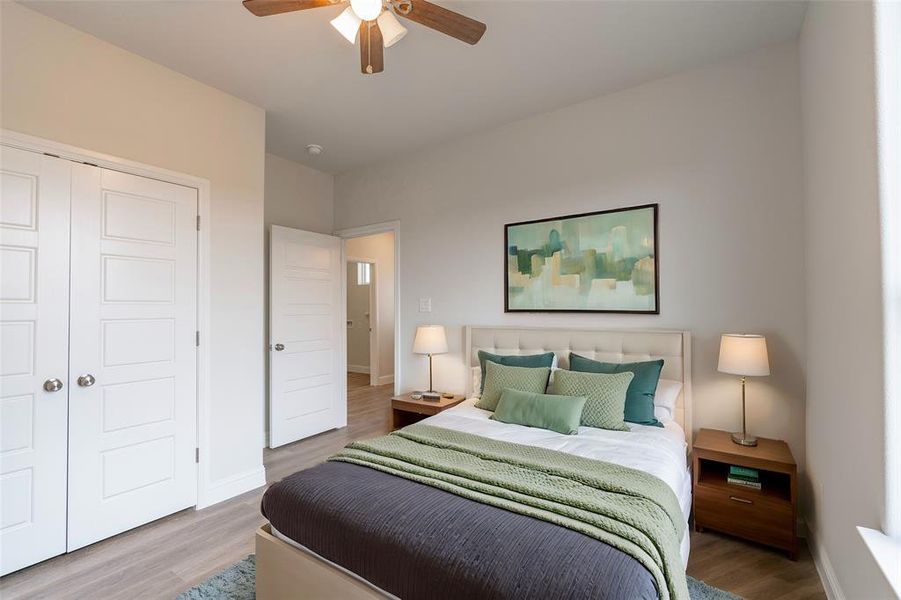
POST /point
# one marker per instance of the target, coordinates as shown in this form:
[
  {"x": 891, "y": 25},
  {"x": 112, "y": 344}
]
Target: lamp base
[{"x": 744, "y": 439}]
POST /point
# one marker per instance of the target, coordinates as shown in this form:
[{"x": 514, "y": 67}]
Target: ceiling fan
[{"x": 377, "y": 25}]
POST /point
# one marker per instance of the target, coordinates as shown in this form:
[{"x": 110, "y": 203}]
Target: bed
[{"x": 342, "y": 530}]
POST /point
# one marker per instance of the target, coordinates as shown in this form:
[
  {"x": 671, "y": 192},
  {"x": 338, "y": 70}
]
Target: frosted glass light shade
[
  {"x": 347, "y": 24},
  {"x": 367, "y": 10},
  {"x": 430, "y": 339},
  {"x": 745, "y": 355},
  {"x": 392, "y": 30}
]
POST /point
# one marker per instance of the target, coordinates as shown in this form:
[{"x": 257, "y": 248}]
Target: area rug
[{"x": 237, "y": 583}]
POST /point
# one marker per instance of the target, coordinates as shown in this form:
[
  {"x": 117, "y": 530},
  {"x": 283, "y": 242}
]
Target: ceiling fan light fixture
[
  {"x": 367, "y": 10},
  {"x": 347, "y": 24},
  {"x": 392, "y": 30}
]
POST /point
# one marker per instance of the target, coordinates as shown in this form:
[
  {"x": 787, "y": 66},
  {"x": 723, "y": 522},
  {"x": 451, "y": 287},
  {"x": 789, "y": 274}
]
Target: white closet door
[
  {"x": 132, "y": 377},
  {"x": 307, "y": 363},
  {"x": 34, "y": 332}
]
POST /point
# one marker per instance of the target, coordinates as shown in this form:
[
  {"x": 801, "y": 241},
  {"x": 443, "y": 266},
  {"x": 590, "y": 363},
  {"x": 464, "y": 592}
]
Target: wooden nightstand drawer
[{"x": 748, "y": 514}]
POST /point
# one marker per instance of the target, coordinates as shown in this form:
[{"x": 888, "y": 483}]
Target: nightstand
[
  {"x": 406, "y": 411},
  {"x": 766, "y": 516}
]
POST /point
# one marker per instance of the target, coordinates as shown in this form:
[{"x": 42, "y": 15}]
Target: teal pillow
[
  {"x": 640, "y": 397},
  {"x": 511, "y": 360},
  {"x": 500, "y": 377},
  {"x": 605, "y": 396},
  {"x": 557, "y": 413}
]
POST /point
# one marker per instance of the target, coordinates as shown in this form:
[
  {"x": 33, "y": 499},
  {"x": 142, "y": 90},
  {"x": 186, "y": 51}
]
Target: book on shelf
[
  {"x": 754, "y": 485},
  {"x": 744, "y": 472}
]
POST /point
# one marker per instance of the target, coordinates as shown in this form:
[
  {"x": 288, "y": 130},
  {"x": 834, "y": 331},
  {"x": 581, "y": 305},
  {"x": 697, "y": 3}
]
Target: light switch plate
[{"x": 425, "y": 305}]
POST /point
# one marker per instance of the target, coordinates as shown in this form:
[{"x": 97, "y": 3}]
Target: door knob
[
  {"x": 279, "y": 347},
  {"x": 53, "y": 385},
  {"x": 86, "y": 380}
]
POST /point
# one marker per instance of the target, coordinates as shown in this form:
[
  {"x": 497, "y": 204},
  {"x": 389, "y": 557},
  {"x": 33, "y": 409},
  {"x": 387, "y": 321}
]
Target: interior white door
[
  {"x": 307, "y": 381},
  {"x": 34, "y": 339},
  {"x": 132, "y": 378}
]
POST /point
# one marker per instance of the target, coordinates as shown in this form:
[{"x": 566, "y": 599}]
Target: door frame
[
  {"x": 206, "y": 492},
  {"x": 373, "y": 314},
  {"x": 362, "y": 231}
]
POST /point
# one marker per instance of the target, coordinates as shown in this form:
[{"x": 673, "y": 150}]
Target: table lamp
[
  {"x": 430, "y": 339},
  {"x": 745, "y": 355}
]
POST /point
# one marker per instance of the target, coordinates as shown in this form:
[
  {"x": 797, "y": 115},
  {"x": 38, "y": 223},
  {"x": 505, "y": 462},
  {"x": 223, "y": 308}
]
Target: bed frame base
[{"x": 284, "y": 571}]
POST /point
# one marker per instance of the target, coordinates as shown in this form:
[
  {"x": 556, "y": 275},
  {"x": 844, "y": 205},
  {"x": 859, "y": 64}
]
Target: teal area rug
[{"x": 237, "y": 583}]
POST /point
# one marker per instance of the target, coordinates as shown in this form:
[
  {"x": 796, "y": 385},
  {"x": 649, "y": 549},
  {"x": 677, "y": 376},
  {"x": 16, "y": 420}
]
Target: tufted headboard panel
[{"x": 609, "y": 345}]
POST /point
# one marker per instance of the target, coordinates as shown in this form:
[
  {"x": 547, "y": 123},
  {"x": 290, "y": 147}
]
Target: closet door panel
[
  {"x": 133, "y": 313},
  {"x": 34, "y": 330}
]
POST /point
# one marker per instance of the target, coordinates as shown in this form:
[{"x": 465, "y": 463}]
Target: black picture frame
[{"x": 656, "y": 310}]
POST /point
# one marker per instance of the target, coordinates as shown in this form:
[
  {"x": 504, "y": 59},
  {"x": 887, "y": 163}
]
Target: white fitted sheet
[{"x": 660, "y": 451}]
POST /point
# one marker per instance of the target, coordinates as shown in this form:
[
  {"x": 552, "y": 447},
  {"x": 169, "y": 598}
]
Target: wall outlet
[{"x": 425, "y": 305}]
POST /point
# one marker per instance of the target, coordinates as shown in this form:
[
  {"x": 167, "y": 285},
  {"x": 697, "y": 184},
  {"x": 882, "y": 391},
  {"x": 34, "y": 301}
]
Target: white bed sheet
[{"x": 660, "y": 451}]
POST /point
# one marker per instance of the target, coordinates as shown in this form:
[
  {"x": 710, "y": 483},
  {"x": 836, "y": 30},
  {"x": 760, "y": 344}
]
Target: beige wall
[
  {"x": 845, "y": 407},
  {"x": 358, "y": 315},
  {"x": 380, "y": 248},
  {"x": 64, "y": 85},
  {"x": 718, "y": 147}
]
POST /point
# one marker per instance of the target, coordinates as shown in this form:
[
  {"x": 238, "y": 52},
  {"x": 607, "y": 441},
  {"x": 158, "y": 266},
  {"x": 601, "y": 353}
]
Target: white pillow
[{"x": 665, "y": 399}]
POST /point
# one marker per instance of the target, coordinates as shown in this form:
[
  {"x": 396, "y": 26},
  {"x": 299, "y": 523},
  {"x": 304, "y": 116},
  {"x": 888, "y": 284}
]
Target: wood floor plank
[{"x": 163, "y": 558}]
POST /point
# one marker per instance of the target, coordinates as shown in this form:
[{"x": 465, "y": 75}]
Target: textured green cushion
[
  {"x": 557, "y": 413},
  {"x": 605, "y": 396},
  {"x": 511, "y": 360},
  {"x": 500, "y": 377},
  {"x": 640, "y": 397}
]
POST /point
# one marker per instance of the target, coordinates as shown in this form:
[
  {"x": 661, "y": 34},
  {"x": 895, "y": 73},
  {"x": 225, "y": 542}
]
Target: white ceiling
[{"x": 535, "y": 56}]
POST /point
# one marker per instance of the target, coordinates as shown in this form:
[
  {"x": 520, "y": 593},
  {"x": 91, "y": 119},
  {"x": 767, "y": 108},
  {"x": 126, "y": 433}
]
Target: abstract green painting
[{"x": 595, "y": 262}]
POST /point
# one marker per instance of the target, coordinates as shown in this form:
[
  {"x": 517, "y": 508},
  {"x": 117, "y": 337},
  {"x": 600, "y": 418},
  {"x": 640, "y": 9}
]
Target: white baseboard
[
  {"x": 230, "y": 487},
  {"x": 824, "y": 567},
  {"x": 386, "y": 379},
  {"x": 358, "y": 368}
]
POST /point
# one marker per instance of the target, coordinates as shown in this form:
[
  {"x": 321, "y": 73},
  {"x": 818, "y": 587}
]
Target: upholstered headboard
[{"x": 610, "y": 345}]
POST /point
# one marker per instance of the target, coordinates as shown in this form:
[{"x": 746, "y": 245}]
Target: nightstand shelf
[
  {"x": 766, "y": 515},
  {"x": 406, "y": 411}
]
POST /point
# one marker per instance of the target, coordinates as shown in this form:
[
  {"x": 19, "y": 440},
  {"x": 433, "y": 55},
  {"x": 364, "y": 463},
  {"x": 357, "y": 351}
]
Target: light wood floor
[{"x": 163, "y": 558}]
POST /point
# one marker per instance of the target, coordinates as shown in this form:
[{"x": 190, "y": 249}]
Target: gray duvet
[{"x": 419, "y": 542}]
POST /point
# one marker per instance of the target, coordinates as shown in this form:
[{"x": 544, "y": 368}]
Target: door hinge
[
  {"x": 197, "y": 455},
  {"x": 197, "y": 339},
  {"x": 198, "y": 222}
]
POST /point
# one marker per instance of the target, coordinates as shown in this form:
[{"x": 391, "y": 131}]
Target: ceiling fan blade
[
  {"x": 264, "y": 8},
  {"x": 372, "y": 50},
  {"x": 444, "y": 20}
]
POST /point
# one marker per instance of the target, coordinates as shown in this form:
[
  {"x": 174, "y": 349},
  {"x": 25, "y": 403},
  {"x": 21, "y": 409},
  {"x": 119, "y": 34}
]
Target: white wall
[
  {"x": 380, "y": 248},
  {"x": 65, "y": 85},
  {"x": 718, "y": 147},
  {"x": 845, "y": 410},
  {"x": 298, "y": 196}
]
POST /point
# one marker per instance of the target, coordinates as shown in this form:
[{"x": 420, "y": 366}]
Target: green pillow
[
  {"x": 500, "y": 377},
  {"x": 514, "y": 360},
  {"x": 605, "y": 396},
  {"x": 557, "y": 413},
  {"x": 640, "y": 397}
]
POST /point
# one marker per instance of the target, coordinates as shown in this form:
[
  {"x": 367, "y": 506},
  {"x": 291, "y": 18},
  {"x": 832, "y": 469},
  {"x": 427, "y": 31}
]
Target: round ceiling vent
[{"x": 314, "y": 149}]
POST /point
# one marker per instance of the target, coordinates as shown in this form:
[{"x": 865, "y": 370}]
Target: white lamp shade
[
  {"x": 745, "y": 355},
  {"x": 367, "y": 10},
  {"x": 392, "y": 30},
  {"x": 347, "y": 24},
  {"x": 430, "y": 339}
]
